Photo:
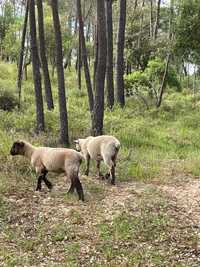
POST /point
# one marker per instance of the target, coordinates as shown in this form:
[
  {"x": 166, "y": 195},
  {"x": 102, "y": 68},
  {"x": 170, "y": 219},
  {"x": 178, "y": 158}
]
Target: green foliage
[
  {"x": 152, "y": 77},
  {"x": 137, "y": 78},
  {"x": 155, "y": 71},
  {"x": 7, "y": 100},
  {"x": 187, "y": 30}
]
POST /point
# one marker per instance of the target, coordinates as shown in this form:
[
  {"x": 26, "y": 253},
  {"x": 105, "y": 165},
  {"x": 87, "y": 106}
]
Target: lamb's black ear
[
  {"x": 76, "y": 141},
  {"x": 21, "y": 143}
]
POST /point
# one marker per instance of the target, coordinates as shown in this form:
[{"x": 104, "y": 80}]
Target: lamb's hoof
[
  {"x": 50, "y": 187},
  {"x": 101, "y": 176},
  {"x": 38, "y": 188},
  {"x": 107, "y": 176},
  {"x": 81, "y": 197}
]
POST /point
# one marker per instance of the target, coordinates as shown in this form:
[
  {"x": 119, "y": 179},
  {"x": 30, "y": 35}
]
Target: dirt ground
[{"x": 52, "y": 229}]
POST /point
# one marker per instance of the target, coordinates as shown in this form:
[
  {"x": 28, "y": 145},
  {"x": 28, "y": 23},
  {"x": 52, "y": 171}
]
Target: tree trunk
[
  {"x": 21, "y": 55},
  {"x": 64, "y": 138},
  {"x": 120, "y": 55},
  {"x": 79, "y": 60},
  {"x": 109, "y": 67},
  {"x": 96, "y": 45},
  {"x": 84, "y": 57},
  {"x": 163, "y": 84},
  {"x": 97, "y": 126},
  {"x": 171, "y": 18},
  {"x": 36, "y": 69},
  {"x": 151, "y": 20},
  {"x": 44, "y": 63},
  {"x": 157, "y": 20},
  {"x": 136, "y": 4},
  {"x": 141, "y": 27}
]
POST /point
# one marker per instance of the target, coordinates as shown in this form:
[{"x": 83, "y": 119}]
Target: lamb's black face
[
  {"x": 78, "y": 148},
  {"x": 17, "y": 148}
]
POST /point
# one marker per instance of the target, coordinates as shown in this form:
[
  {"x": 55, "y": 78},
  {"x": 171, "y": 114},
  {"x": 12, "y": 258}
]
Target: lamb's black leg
[
  {"x": 39, "y": 183},
  {"x": 100, "y": 175},
  {"x": 41, "y": 178},
  {"x": 107, "y": 175},
  {"x": 113, "y": 175},
  {"x": 46, "y": 181},
  {"x": 88, "y": 165},
  {"x": 79, "y": 188},
  {"x": 72, "y": 187}
]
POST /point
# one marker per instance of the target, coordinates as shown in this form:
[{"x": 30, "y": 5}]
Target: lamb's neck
[{"x": 29, "y": 151}]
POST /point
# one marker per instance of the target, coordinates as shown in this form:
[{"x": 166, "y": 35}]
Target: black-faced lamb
[
  {"x": 47, "y": 159},
  {"x": 100, "y": 148}
]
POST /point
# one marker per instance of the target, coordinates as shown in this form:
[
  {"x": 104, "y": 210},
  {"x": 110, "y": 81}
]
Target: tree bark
[
  {"x": 151, "y": 20},
  {"x": 157, "y": 20},
  {"x": 84, "y": 57},
  {"x": 120, "y": 55},
  {"x": 109, "y": 67},
  {"x": 79, "y": 60},
  {"x": 21, "y": 54},
  {"x": 64, "y": 138},
  {"x": 44, "y": 63},
  {"x": 96, "y": 45},
  {"x": 36, "y": 69},
  {"x": 97, "y": 126},
  {"x": 163, "y": 84}
]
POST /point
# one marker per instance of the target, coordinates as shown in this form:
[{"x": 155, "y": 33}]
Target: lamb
[
  {"x": 46, "y": 159},
  {"x": 100, "y": 148}
]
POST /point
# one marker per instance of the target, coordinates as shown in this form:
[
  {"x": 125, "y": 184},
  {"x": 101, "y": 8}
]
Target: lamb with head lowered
[{"x": 104, "y": 147}]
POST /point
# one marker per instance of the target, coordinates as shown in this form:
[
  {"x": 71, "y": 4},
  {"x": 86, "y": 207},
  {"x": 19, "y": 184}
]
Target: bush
[
  {"x": 152, "y": 77},
  {"x": 136, "y": 81},
  {"x": 8, "y": 101},
  {"x": 136, "y": 78},
  {"x": 155, "y": 71}
]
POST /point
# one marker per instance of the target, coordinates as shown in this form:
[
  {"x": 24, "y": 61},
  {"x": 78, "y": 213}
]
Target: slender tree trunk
[
  {"x": 79, "y": 60},
  {"x": 157, "y": 22},
  {"x": 96, "y": 45},
  {"x": 136, "y": 4},
  {"x": 97, "y": 126},
  {"x": 120, "y": 55},
  {"x": 141, "y": 27},
  {"x": 84, "y": 57},
  {"x": 109, "y": 67},
  {"x": 64, "y": 138},
  {"x": 151, "y": 20},
  {"x": 163, "y": 84},
  {"x": 36, "y": 69},
  {"x": 171, "y": 16},
  {"x": 44, "y": 63},
  {"x": 21, "y": 55}
]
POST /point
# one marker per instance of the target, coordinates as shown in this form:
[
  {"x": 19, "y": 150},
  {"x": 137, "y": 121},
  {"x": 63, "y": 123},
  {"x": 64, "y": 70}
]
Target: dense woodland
[
  {"x": 138, "y": 48},
  {"x": 127, "y": 68}
]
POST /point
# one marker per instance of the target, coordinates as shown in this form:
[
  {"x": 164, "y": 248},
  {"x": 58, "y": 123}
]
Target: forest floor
[{"x": 130, "y": 224}]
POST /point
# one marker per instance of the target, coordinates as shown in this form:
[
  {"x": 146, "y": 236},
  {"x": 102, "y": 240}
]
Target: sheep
[
  {"x": 100, "y": 148},
  {"x": 47, "y": 159}
]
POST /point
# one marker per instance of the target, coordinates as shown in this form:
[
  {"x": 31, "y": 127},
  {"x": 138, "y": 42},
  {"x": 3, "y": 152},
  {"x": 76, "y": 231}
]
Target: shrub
[
  {"x": 136, "y": 78},
  {"x": 8, "y": 101},
  {"x": 152, "y": 77},
  {"x": 155, "y": 71}
]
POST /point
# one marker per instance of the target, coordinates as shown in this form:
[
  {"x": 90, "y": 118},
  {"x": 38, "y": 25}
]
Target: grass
[{"x": 133, "y": 224}]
